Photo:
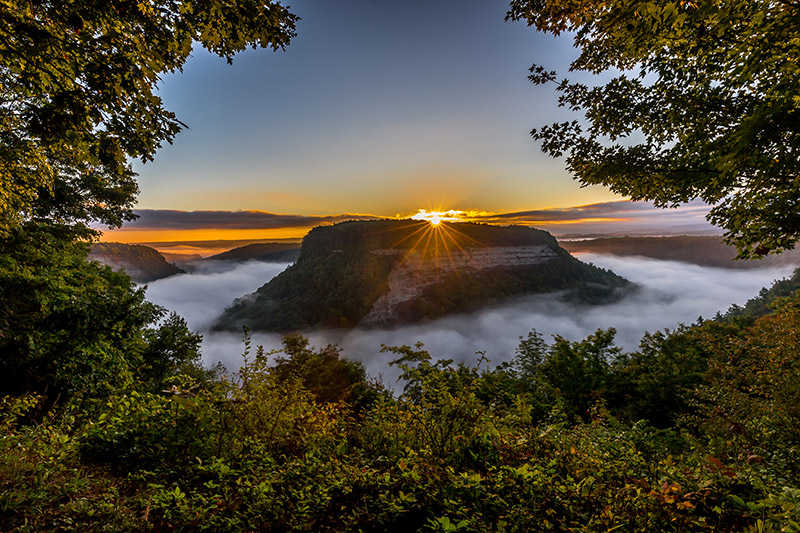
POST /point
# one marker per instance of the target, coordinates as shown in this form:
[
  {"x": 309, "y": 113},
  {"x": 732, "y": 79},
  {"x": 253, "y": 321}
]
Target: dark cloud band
[
  {"x": 614, "y": 212},
  {"x": 187, "y": 220},
  {"x": 622, "y": 210}
]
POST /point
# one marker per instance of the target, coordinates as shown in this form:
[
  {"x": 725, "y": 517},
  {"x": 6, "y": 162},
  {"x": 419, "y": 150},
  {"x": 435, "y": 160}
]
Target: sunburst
[
  {"x": 437, "y": 217},
  {"x": 437, "y": 239}
]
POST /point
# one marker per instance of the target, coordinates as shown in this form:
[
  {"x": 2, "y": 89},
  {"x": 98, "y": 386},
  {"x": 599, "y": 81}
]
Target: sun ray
[
  {"x": 455, "y": 242},
  {"x": 423, "y": 227},
  {"x": 454, "y": 230},
  {"x": 446, "y": 233},
  {"x": 434, "y": 238},
  {"x": 439, "y": 239},
  {"x": 425, "y": 233}
]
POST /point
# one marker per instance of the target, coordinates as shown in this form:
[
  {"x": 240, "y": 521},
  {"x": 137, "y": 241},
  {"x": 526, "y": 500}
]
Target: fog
[
  {"x": 201, "y": 295},
  {"x": 671, "y": 293}
]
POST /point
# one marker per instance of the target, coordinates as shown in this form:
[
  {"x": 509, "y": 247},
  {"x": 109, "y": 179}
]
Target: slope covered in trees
[
  {"x": 344, "y": 270},
  {"x": 141, "y": 263},
  {"x": 278, "y": 252}
]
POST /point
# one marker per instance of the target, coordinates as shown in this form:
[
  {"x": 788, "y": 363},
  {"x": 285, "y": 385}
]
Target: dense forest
[
  {"x": 695, "y": 431},
  {"x": 343, "y": 269}
]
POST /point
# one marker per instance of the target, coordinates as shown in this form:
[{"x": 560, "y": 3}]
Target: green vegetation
[
  {"x": 695, "y": 431},
  {"x": 705, "y": 251},
  {"x": 761, "y": 304},
  {"x": 141, "y": 263},
  {"x": 343, "y": 269},
  {"x": 108, "y": 422},
  {"x": 78, "y": 83},
  {"x": 698, "y": 100},
  {"x": 74, "y": 327}
]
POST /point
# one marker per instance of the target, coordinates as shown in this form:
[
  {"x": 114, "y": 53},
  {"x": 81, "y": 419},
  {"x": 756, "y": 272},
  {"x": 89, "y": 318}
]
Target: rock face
[
  {"x": 416, "y": 272},
  {"x": 388, "y": 272},
  {"x": 142, "y": 263}
]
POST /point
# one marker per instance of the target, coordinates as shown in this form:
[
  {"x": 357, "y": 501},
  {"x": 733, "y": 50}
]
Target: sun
[
  {"x": 437, "y": 217},
  {"x": 436, "y": 243}
]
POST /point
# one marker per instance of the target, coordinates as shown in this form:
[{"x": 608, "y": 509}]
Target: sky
[{"x": 377, "y": 108}]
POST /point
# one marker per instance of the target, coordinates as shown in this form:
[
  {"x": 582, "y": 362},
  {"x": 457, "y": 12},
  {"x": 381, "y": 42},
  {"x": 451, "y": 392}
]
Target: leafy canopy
[
  {"x": 77, "y": 100},
  {"x": 702, "y": 102}
]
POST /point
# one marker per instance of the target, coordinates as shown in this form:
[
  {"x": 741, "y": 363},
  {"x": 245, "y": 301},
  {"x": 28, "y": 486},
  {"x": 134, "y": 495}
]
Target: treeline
[{"x": 697, "y": 430}]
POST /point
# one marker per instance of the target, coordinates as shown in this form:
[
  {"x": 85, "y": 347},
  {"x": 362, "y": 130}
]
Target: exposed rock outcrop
[{"x": 416, "y": 272}]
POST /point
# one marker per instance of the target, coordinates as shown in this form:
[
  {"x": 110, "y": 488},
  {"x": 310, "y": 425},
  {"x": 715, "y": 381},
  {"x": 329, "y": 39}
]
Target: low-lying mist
[{"x": 672, "y": 293}]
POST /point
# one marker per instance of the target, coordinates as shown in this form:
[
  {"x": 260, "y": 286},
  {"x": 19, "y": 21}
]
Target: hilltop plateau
[{"x": 388, "y": 272}]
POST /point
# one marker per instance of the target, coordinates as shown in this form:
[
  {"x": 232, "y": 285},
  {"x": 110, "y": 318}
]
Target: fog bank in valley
[
  {"x": 201, "y": 295},
  {"x": 672, "y": 293}
]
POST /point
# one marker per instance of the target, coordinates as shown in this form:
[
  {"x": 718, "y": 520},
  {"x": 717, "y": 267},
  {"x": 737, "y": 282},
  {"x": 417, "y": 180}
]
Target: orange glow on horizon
[
  {"x": 211, "y": 240},
  {"x": 132, "y": 236}
]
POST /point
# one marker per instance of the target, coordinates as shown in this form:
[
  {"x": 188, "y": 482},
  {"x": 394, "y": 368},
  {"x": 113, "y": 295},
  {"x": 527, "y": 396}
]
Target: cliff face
[
  {"x": 415, "y": 273},
  {"x": 383, "y": 273}
]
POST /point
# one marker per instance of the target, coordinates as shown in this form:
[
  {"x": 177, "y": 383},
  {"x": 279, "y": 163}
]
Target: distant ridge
[
  {"x": 388, "y": 272},
  {"x": 277, "y": 252},
  {"x": 704, "y": 251},
  {"x": 142, "y": 263}
]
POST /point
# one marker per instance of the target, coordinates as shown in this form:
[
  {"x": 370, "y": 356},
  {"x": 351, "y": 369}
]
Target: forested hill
[
  {"x": 704, "y": 251},
  {"x": 264, "y": 251},
  {"x": 142, "y": 263},
  {"x": 386, "y": 272}
]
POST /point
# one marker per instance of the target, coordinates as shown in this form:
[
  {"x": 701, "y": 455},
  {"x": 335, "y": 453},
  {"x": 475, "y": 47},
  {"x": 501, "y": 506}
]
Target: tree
[
  {"x": 77, "y": 102},
  {"x": 71, "y": 326},
  {"x": 77, "y": 98},
  {"x": 702, "y": 102},
  {"x": 325, "y": 373}
]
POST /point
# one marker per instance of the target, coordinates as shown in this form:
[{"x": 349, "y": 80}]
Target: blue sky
[{"x": 377, "y": 107}]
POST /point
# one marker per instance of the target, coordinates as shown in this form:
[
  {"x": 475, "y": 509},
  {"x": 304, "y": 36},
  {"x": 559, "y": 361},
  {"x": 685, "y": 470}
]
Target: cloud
[
  {"x": 170, "y": 219},
  {"x": 611, "y": 217},
  {"x": 608, "y": 217},
  {"x": 672, "y": 293}
]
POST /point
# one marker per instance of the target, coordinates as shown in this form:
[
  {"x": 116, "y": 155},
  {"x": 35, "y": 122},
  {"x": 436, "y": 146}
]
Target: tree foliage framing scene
[
  {"x": 699, "y": 100},
  {"x": 111, "y": 421}
]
